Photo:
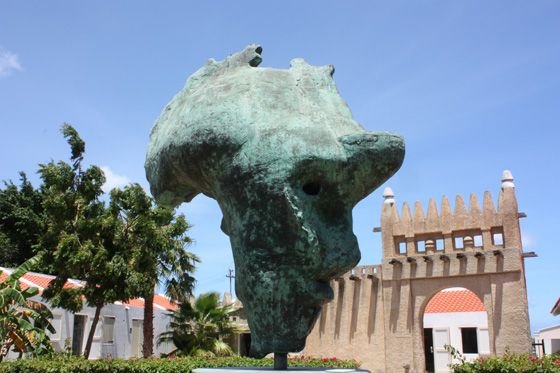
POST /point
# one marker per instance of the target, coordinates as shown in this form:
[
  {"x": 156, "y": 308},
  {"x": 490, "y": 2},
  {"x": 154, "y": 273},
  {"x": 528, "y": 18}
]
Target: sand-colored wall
[{"x": 376, "y": 316}]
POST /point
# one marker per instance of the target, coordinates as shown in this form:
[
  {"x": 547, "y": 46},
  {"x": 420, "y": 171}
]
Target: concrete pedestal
[{"x": 270, "y": 370}]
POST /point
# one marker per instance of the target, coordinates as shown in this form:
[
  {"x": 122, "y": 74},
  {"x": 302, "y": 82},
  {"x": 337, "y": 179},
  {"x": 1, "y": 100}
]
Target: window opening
[
  {"x": 400, "y": 246},
  {"x": 108, "y": 329},
  {"x": 458, "y": 242},
  {"x": 477, "y": 238},
  {"x": 470, "y": 340},
  {"x": 498, "y": 239}
]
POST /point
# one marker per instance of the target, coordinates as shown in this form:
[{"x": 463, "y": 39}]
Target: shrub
[
  {"x": 170, "y": 365},
  {"x": 510, "y": 363}
]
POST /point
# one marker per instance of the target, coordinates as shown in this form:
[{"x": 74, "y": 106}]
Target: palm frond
[{"x": 11, "y": 295}]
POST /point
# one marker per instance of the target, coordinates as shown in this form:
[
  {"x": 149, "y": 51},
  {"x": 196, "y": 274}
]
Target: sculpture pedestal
[{"x": 270, "y": 369}]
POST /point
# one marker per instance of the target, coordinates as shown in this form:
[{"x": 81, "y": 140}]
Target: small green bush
[
  {"x": 510, "y": 363},
  {"x": 172, "y": 365}
]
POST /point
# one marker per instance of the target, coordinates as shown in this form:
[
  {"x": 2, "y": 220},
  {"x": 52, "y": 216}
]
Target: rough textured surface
[
  {"x": 377, "y": 315},
  {"x": 280, "y": 152}
]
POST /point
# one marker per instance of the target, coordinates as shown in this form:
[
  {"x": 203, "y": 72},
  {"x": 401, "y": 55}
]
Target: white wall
[
  {"x": 63, "y": 321},
  {"x": 551, "y": 338},
  {"x": 454, "y": 321}
]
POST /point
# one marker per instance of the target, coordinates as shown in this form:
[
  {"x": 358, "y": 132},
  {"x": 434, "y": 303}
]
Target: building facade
[
  {"x": 454, "y": 317},
  {"x": 377, "y": 315},
  {"x": 547, "y": 341},
  {"x": 119, "y": 331}
]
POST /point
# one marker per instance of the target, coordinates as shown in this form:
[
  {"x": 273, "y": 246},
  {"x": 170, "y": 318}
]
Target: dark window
[{"x": 470, "y": 343}]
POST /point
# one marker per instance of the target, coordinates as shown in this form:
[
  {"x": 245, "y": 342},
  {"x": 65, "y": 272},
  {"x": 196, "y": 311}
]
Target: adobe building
[{"x": 377, "y": 315}]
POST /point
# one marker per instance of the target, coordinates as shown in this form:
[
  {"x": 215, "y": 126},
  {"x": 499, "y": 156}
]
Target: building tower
[{"x": 376, "y": 315}]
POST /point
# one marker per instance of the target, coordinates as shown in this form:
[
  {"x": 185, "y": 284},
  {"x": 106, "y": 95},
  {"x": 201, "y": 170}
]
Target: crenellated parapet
[
  {"x": 377, "y": 314},
  {"x": 481, "y": 231},
  {"x": 362, "y": 272}
]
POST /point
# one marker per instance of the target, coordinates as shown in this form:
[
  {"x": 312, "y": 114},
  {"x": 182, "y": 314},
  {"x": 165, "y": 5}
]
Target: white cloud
[
  {"x": 9, "y": 62},
  {"x": 113, "y": 180}
]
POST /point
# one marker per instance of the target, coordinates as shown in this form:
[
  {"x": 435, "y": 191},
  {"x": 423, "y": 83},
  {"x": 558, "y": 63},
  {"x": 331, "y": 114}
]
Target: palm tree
[
  {"x": 199, "y": 328},
  {"x": 175, "y": 265},
  {"x": 22, "y": 320},
  {"x": 157, "y": 241}
]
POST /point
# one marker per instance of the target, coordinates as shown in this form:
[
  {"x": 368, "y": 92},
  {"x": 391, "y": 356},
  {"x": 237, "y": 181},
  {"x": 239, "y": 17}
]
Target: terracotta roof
[
  {"x": 41, "y": 281},
  {"x": 164, "y": 302},
  {"x": 455, "y": 301},
  {"x": 3, "y": 276},
  {"x": 160, "y": 302},
  {"x": 135, "y": 302},
  {"x": 6, "y": 272}
]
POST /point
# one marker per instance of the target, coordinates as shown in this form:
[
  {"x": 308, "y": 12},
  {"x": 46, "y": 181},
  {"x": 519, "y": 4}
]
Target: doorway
[
  {"x": 429, "y": 349},
  {"x": 78, "y": 334},
  {"x": 442, "y": 358},
  {"x": 454, "y": 318},
  {"x": 244, "y": 344}
]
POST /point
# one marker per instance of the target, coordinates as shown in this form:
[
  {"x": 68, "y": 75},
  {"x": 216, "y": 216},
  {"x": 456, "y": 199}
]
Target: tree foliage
[
  {"x": 22, "y": 320},
  {"x": 156, "y": 240},
  {"x": 21, "y": 221},
  {"x": 79, "y": 238},
  {"x": 199, "y": 328},
  {"x": 119, "y": 250}
]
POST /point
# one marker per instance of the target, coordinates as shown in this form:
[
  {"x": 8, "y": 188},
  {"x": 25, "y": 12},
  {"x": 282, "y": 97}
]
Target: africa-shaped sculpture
[{"x": 279, "y": 151}]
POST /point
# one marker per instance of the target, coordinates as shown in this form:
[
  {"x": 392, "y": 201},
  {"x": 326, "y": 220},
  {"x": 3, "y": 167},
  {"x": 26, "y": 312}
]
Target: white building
[
  {"x": 454, "y": 317},
  {"x": 547, "y": 340},
  {"x": 550, "y": 339},
  {"x": 119, "y": 331}
]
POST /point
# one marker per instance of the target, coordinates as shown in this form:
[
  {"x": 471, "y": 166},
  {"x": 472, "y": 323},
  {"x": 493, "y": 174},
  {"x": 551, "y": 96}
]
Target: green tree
[
  {"x": 120, "y": 251},
  {"x": 21, "y": 221},
  {"x": 157, "y": 240},
  {"x": 199, "y": 328},
  {"x": 22, "y": 320},
  {"x": 79, "y": 238}
]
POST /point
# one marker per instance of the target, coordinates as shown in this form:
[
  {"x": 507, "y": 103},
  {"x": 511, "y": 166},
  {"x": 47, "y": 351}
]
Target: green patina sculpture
[{"x": 279, "y": 150}]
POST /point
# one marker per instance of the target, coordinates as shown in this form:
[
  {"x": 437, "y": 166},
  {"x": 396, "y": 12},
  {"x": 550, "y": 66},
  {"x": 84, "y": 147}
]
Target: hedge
[
  {"x": 173, "y": 365},
  {"x": 510, "y": 363}
]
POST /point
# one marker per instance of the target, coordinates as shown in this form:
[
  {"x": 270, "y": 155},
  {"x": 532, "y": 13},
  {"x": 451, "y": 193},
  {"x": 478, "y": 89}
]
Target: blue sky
[{"x": 473, "y": 86}]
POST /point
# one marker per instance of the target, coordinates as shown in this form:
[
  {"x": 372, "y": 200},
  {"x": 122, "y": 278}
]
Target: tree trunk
[
  {"x": 148, "y": 345},
  {"x": 92, "y": 330}
]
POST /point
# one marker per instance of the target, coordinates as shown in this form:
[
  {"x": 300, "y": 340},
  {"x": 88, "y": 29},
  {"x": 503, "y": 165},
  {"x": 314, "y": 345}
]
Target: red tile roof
[
  {"x": 135, "y": 302},
  {"x": 41, "y": 281},
  {"x": 164, "y": 302},
  {"x": 6, "y": 272},
  {"x": 160, "y": 302},
  {"x": 455, "y": 301}
]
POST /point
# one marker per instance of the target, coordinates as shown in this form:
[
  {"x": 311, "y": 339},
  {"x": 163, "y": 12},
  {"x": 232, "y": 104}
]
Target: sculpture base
[{"x": 270, "y": 369}]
